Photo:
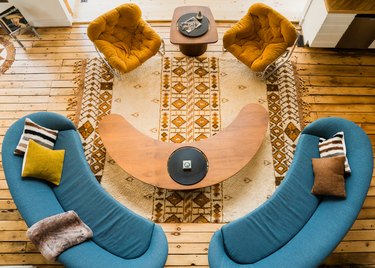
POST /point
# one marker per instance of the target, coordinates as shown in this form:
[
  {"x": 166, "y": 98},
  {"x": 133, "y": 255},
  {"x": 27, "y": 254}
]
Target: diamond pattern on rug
[
  {"x": 197, "y": 206},
  {"x": 284, "y": 115},
  {"x": 189, "y": 112},
  {"x": 96, "y": 103}
]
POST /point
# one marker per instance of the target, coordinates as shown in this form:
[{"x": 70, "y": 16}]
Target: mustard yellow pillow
[{"x": 43, "y": 163}]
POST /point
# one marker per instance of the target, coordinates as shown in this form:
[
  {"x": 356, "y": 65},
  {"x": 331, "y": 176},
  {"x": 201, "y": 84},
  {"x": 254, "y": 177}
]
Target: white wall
[{"x": 42, "y": 13}]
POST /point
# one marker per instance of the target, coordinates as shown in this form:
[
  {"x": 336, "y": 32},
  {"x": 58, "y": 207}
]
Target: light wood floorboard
[{"x": 340, "y": 83}]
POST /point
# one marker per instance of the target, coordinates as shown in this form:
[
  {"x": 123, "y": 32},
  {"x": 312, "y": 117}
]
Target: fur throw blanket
[{"x": 57, "y": 233}]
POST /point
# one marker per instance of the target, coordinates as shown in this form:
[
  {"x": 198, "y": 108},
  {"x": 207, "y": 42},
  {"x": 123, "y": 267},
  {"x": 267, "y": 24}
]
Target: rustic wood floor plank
[
  {"x": 360, "y": 108},
  {"x": 13, "y": 236},
  {"x": 7, "y": 204},
  {"x": 3, "y": 184},
  {"x": 179, "y": 237},
  {"x": 188, "y": 248},
  {"x": 356, "y": 235},
  {"x": 354, "y": 59},
  {"x": 338, "y": 91},
  {"x": 188, "y": 260},
  {"x": 356, "y": 246},
  {"x": 17, "y": 259},
  {"x": 359, "y": 258},
  {"x": 336, "y": 70},
  {"x": 12, "y": 247},
  {"x": 13, "y": 225},
  {"x": 345, "y": 81},
  {"x": 356, "y": 117},
  {"x": 325, "y": 99},
  {"x": 363, "y": 225}
]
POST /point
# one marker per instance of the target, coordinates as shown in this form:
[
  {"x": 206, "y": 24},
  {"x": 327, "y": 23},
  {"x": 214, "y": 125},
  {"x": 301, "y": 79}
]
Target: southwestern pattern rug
[
  {"x": 7, "y": 54},
  {"x": 182, "y": 99}
]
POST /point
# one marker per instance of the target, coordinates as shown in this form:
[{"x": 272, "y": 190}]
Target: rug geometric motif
[
  {"x": 189, "y": 111},
  {"x": 7, "y": 54},
  {"x": 285, "y": 119},
  {"x": 96, "y": 103}
]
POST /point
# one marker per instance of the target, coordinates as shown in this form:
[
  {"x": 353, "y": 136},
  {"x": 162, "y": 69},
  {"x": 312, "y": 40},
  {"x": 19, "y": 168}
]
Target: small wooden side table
[{"x": 193, "y": 46}]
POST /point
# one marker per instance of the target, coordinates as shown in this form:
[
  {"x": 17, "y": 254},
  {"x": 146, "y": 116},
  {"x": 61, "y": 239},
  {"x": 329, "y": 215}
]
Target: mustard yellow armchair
[
  {"x": 123, "y": 39},
  {"x": 260, "y": 38}
]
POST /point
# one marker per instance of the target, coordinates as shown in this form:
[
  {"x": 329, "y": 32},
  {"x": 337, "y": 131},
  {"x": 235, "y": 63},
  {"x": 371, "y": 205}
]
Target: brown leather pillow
[{"x": 329, "y": 176}]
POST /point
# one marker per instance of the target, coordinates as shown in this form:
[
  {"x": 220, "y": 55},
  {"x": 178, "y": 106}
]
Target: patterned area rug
[
  {"x": 7, "y": 54},
  {"x": 182, "y": 99}
]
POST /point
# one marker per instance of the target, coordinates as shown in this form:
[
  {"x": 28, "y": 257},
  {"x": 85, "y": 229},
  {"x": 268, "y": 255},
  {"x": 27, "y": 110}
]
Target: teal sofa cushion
[
  {"x": 258, "y": 234},
  {"x": 115, "y": 228}
]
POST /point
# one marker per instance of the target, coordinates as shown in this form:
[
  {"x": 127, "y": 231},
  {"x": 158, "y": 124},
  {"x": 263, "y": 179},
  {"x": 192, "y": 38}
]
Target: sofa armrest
[
  {"x": 50, "y": 120},
  {"x": 34, "y": 198}
]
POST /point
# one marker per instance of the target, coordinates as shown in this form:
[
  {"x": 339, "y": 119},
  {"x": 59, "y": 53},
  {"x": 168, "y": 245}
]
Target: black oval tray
[{"x": 201, "y": 30}]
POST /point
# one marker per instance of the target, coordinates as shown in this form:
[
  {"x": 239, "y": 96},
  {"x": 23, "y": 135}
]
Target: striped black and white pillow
[
  {"x": 42, "y": 135},
  {"x": 333, "y": 147}
]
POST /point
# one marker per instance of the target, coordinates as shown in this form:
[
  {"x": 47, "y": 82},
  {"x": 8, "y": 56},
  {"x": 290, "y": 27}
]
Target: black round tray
[
  {"x": 201, "y": 30},
  {"x": 187, "y": 176}
]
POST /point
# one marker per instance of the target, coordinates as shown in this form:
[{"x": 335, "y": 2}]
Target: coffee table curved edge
[{"x": 146, "y": 158}]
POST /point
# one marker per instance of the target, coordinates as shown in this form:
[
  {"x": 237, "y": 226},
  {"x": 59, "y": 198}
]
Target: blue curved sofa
[
  {"x": 121, "y": 237},
  {"x": 294, "y": 228}
]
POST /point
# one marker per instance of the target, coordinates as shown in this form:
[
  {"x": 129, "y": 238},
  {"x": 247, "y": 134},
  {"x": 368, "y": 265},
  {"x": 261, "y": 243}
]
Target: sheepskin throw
[{"x": 57, "y": 233}]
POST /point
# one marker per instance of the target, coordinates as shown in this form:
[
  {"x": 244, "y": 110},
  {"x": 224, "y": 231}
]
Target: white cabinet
[
  {"x": 321, "y": 28},
  {"x": 44, "y": 13}
]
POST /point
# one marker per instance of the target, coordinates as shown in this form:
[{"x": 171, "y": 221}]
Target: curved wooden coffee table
[{"x": 146, "y": 159}]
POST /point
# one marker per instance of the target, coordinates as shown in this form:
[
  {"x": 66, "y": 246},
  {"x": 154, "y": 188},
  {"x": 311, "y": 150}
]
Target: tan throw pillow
[{"x": 329, "y": 176}]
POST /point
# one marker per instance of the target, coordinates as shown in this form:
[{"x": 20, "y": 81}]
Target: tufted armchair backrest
[
  {"x": 123, "y": 37},
  {"x": 119, "y": 24},
  {"x": 271, "y": 26}
]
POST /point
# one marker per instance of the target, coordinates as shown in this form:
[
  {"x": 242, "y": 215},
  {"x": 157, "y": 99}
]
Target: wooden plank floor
[
  {"x": 338, "y": 83},
  {"x": 343, "y": 84}
]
